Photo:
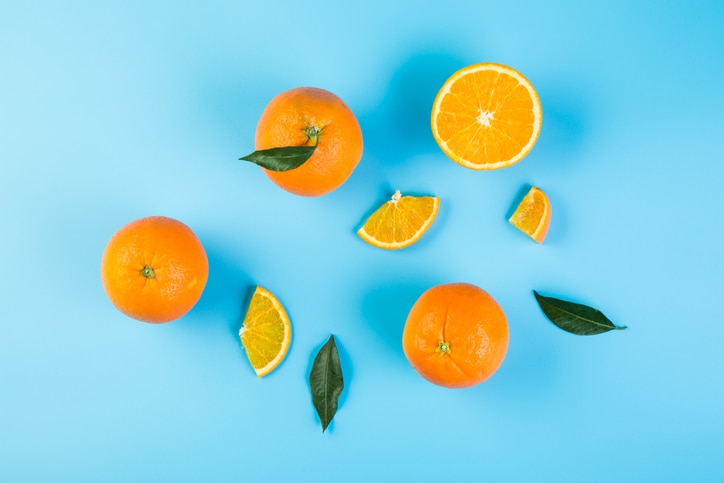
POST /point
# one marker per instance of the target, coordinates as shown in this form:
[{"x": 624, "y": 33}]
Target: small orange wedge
[
  {"x": 533, "y": 215},
  {"x": 266, "y": 332},
  {"x": 400, "y": 222},
  {"x": 486, "y": 116}
]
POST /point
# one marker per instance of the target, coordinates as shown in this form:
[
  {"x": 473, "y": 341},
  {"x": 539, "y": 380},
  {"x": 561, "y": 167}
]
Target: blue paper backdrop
[{"x": 114, "y": 111}]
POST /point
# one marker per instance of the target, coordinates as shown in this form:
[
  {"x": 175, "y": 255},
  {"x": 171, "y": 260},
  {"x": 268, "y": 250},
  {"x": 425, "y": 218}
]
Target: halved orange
[
  {"x": 400, "y": 222},
  {"x": 266, "y": 332},
  {"x": 533, "y": 214},
  {"x": 486, "y": 116}
]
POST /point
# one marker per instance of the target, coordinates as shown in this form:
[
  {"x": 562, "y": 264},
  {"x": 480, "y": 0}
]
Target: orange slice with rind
[
  {"x": 533, "y": 214},
  {"x": 266, "y": 332},
  {"x": 400, "y": 222},
  {"x": 486, "y": 116}
]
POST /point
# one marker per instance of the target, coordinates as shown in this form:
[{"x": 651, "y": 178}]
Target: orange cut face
[{"x": 486, "y": 116}]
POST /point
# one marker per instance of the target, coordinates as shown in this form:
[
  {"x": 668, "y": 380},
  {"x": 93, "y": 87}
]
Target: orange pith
[
  {"x": 289, "y": 119},
  {"x": 456, "y": 335},
  {"x": 486, "y": 116},
  {"x": 533, "y": 215},
  {"x": 154, "y": 269}
]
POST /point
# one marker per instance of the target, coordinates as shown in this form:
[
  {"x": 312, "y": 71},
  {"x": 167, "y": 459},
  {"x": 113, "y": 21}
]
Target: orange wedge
[
  {"x": 266, "y": 332},
  {"x": 400, "y": 222},
  {"x": 533, "y": 215},
  {"x": 486, "y": 116}
]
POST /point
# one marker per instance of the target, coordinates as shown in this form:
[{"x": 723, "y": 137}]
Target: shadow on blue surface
[
  {"x": 228, "y": 289},
  {"x": 385, "y": 307},
  {"x": 564, "y": 128},
  {"x": 398, "y": 129},
  {"x": 531, "y": 369}
]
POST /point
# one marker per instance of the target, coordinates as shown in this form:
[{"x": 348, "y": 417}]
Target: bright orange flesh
[
  {"x": 285, "y": 122},
  {"x": 400, "y": 222},
  {"x": 486, "y": 116},
  {"x": 154, "y": 269},
  {"x": 533, "y": 215},
  {"x": 266, "y": 332},
  {"x": 456, "y": 335}
]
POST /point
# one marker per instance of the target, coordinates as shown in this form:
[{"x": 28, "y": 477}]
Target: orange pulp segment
[
  {"x": 400, "y": 222},
  {"x": 266, "y": 332},
  {"x": 486, "y": 116},
  {"x": 533, "y": 215}
]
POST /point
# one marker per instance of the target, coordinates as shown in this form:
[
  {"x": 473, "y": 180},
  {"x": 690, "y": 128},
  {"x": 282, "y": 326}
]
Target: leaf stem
[{"x": 312, "y": 133}]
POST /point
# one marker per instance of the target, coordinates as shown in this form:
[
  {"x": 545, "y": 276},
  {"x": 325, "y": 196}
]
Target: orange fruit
[
  {"x": 456, "y": 335},
  {"x": 266, "y": 332},
  {"x": 154, "y": 269},
  {"x": 486, "y": 116},
  {"x": 400, "y": 222},
  {"x": 298, "y": 116},
  {"x": 533, "y": 215}
]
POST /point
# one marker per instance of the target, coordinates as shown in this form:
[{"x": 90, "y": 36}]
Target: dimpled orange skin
[
  {"x": 178, "y": 269},
  {"x": 285, "y": 122},
  {"x": 456, "y": 335}
]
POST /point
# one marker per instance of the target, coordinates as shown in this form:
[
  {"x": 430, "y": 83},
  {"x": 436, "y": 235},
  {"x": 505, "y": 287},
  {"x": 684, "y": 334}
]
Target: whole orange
[
  {"x": 456, "y": 335},
  {"x": 305, "y": 116},
  {"x": 154, "y": 269}
]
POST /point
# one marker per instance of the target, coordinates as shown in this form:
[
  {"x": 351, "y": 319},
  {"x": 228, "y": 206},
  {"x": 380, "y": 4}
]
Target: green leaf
[
  {"x": 575, "y": 318},
  {"x": 281, "y": 159},
  {"x": 326, "y": 382}
]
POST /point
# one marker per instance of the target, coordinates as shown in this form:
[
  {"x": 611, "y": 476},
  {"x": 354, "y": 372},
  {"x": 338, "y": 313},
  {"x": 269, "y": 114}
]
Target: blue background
[{"x": 112, "y": 112}]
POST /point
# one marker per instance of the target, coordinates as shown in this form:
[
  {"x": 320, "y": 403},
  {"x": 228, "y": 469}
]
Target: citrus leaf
[
  {"x": 326, "y": 382},
  {"x": 575, "y": 318},
  {"x": 281, "y": 159}
]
